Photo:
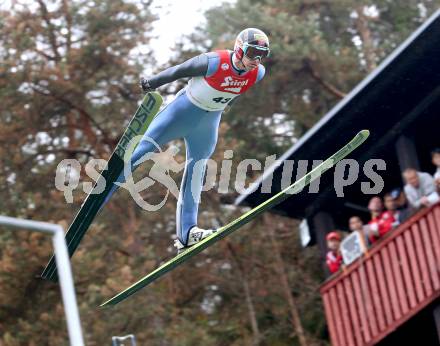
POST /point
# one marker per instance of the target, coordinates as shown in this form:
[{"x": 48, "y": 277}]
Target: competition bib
[{"x": 215, "y": 92}]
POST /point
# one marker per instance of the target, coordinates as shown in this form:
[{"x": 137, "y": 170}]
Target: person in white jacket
[
  {"x": 435, "y": 156},
  {"x": 420, "y": 188}
]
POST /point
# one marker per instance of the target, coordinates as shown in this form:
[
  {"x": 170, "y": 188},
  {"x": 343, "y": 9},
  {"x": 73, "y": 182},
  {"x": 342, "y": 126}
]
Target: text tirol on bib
[{"x": 213, "y": 93}]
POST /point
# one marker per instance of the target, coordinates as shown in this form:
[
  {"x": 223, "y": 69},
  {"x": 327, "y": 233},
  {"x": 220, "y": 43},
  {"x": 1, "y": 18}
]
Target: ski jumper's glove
[{"x": 145, "y": 85}]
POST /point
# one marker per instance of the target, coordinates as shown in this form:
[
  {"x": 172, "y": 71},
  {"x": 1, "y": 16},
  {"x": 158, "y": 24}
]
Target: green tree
[
  {"x": 68, "y": 85},
  {"x": 320, "y": 51}
]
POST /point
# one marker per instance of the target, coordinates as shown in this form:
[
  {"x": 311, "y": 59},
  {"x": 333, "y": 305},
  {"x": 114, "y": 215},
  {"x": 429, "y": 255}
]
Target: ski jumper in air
[{"x": 194, "y": 115}]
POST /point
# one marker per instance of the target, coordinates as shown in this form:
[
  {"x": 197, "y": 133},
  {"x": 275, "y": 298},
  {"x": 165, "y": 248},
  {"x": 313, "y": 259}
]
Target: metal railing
[
  {"x": 397, "y": 278},
  {"x": 64, "y": 271}
]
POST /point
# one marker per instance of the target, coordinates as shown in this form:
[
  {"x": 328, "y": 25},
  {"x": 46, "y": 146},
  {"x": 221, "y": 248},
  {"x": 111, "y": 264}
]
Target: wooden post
[
  {"x": 407, "y": 153},
  {"x": 436, "y": 313},
  {"x": 284, "y": 285},
  {"x": 322, "y": 224},
  {"x": 257, "y": 338}
]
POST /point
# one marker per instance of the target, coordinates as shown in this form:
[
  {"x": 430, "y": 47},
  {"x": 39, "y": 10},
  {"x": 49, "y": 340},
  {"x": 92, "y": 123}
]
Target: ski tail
[
  {"x": 145, "y": 113},
  {"x": 242, "y": 220}
]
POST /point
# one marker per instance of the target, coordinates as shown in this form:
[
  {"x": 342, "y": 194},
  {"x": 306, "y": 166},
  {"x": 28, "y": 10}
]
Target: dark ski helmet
[{"x": 253, "y": 43}]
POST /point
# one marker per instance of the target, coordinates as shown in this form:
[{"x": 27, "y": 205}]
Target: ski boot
[{"x": 195, "y": 235}]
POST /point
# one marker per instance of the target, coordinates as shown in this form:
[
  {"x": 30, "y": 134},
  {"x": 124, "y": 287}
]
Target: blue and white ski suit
[{"x": 197, "y": 126}]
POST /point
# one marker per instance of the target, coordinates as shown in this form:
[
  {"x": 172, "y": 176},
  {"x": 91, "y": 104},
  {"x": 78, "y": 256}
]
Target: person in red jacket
[
  {"x": 381, "y": 221},
  {"x": 333, "y": 257}
]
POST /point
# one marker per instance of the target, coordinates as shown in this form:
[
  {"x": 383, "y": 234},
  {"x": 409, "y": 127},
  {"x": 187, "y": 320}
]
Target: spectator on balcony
[
  {"x": 404, "y": 209},
  {"x": 355, "y": 224},
  {"x": 435, "y": 156},
  {"x": 420, "y": 188},
  {"x": 381, "y": 221},
  {"x": 389, "y": 200},
  {"x": 334, "y": 257}
]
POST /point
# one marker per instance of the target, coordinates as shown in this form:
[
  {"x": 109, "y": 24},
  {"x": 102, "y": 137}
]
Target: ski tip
[
  {"x": 50, "y": 274},
  {"x": 49, "y": 278},
  {"x": 364, "y": 133}
]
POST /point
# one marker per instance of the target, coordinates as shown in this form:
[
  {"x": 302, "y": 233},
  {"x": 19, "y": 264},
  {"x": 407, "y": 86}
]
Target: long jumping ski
[
  {"x": 242, "y": 220},
  {"x": 138, "y": 125}
]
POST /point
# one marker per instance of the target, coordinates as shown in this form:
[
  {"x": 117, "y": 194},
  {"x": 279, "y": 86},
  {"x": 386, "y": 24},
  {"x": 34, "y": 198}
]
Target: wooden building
[
  {"x": 397, "y": 282},
  {"x": 390, "y": 295}
]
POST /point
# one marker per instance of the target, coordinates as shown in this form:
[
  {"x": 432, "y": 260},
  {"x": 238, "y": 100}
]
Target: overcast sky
[{"x": 176, "y": 19}]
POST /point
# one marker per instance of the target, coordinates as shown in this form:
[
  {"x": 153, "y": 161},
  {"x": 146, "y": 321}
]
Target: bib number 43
[{"x": 221, "y": 99}]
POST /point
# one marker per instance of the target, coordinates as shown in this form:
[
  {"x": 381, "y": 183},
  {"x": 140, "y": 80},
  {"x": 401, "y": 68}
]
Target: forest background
[{"x": 69, "y": 74}]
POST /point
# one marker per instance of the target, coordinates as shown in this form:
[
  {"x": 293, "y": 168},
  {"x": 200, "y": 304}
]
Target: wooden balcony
[{"x": 397, "y": 278}]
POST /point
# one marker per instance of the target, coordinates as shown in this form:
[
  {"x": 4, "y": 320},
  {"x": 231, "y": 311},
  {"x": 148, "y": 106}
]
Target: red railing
[{"x": 396, "y": 279}]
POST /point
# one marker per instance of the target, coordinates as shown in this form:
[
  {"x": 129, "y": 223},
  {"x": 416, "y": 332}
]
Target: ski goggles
[{"x": 255, "y": 52}]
